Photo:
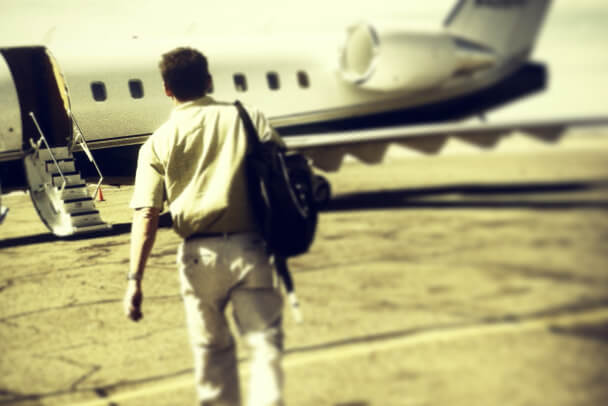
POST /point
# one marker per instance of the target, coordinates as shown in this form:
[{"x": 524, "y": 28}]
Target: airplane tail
[{"x": 509, "y": 27}]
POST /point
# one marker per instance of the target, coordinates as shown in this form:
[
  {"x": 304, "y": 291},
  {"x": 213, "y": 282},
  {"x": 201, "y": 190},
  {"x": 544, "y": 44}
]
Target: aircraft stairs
[{"x": 59, "y": 193}]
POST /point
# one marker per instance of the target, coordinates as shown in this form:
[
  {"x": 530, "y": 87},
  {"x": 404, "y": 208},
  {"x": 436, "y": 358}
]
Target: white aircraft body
[{"x": 381, "y": 85}]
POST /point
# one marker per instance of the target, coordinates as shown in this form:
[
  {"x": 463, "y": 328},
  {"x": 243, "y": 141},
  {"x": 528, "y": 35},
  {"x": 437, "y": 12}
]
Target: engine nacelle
[{"x": 394, "y": 60}]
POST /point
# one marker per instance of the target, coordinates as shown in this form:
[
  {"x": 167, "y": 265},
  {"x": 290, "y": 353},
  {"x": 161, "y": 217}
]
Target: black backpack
[{"x": 281, "y": 192}]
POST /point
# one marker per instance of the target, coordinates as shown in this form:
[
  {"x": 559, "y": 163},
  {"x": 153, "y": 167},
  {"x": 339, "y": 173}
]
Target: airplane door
[
  {"x": 41, "y": 90},
  {"x": 56, "y": 188},
  {"x": 10, "y": 115}
]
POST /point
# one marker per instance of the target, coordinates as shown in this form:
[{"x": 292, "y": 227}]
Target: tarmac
[{"x": 466, "y": 278}]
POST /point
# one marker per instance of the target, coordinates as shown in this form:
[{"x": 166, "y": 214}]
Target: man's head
[{"x": 185, "y": 73}]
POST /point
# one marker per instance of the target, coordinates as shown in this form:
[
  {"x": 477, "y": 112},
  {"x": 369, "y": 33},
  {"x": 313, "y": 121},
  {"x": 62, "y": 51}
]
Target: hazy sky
[
  {"x": 574, "y": 40},
  {"x": 30, "y": 20}
]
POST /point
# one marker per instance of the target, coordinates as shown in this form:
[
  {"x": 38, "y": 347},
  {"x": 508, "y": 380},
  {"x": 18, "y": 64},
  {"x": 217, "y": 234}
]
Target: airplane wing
[{"x": 327, "y": 150}]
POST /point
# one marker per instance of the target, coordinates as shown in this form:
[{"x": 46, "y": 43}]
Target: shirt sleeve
[
  {"x": 266, "y": 131},
  {"x": 149, "y": 190}
]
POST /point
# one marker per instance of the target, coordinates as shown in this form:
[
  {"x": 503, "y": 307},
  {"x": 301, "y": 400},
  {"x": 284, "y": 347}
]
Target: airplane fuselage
[
  {"x": 302, "y": 84},
  {"x": 295, "y": 82}
]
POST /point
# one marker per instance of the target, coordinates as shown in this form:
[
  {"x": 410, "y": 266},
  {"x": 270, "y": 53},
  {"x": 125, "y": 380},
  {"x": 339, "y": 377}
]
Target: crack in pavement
[
  {"x": 8, "y": 283},
  {"x": 14, "y": 281},
  {"x": 91, "y": 369},
  {"x": 83, "y": 304},
  {"x": 157, "y": 331},
  {"x": 558, "y": 276},
  {"x": 91, "y": 341},
  {"x": 589, "y": 313},
  {"x": 100, "y": 391}
]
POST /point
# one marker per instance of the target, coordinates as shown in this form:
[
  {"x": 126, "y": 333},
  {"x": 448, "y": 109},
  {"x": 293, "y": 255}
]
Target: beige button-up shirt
[{"x": 195, "y": 162}]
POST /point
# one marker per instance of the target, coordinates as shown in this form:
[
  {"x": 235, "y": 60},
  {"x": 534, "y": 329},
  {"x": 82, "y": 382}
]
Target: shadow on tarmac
[
  {"x": 7, "y": 397},
  {"x": 36, "y": 399},
  {"x": 117, "y": 229},
  {"x": 468, "y": 196},
  {"x": 476, "y": 196},
  {"x": 588, "y": 331}
]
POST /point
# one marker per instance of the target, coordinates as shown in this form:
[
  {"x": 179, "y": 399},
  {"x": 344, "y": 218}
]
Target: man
[{"x": 195, "y": 162}]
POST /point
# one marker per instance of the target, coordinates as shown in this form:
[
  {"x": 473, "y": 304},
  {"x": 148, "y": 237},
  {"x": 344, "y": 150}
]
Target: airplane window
[
  {"x": 273, "y": 80},
  {"x": 303, "y": 80},
  {"x": 240, "y": 82},
  {"x": 99, "y": 91},
  {"x": 136, "y": 87}
]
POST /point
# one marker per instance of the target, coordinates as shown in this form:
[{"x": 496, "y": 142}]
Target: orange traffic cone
[{"x": 100, "y": 195}]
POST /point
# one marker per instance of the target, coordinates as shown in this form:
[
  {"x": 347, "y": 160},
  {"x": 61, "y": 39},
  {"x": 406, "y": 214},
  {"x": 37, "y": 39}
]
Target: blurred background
[{"x": 573, "y": 40}]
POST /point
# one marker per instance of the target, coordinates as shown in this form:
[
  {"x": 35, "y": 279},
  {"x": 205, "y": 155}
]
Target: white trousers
[{"x": 236, "y": 269}]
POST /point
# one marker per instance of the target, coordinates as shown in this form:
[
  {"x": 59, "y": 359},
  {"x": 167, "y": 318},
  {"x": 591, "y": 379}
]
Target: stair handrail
[
  {"x": 85, "y": 147},
  {"x": 36, "y": 147}
]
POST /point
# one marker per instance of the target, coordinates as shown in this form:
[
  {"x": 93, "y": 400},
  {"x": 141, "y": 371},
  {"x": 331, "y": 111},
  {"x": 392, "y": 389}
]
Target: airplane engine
[{"x": 392, "y": 60}]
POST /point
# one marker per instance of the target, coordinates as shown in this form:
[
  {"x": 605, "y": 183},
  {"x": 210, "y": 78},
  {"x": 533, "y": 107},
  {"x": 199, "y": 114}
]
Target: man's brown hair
[{"x": 185, "y": 73}]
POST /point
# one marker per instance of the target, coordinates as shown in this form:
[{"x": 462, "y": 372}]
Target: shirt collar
[{"x": 203, "y": 101}]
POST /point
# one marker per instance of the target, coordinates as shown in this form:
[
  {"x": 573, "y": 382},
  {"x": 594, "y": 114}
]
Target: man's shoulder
[
  {"x": 168, "y": 127},
  {"x": 222, "y": 103},
  {"x": 164, "y": 132},
  {"x": 228, "y": 105},
  {"x": 160, "y": 138}
]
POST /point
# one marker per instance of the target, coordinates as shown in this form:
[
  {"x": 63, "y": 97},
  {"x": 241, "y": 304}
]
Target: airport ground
[{"x": 461, "y": 279}]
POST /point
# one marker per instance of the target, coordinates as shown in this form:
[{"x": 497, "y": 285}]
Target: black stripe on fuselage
[
  {"x": 528, "y": 79},
  {"x": 119, "y": 161}
]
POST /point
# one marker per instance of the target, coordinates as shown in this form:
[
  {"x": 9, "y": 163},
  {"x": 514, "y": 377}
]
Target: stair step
[
  {"x": 72, "y": 192},
  {"x": 92, "y": 227},
  {"x": 77, "y": 199},
  {"x": 75, "y": 206},
  {"x": 65, "y": 165},
  {"x": 58, "y": 153},
  {"x": 71, "y": 178},
  {"x": 86, "y": 213},
  {"x": 86, "y": 218}
]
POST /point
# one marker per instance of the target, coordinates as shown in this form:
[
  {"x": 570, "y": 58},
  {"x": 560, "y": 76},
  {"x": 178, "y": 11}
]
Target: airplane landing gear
[{"x": 322, "y": 191}]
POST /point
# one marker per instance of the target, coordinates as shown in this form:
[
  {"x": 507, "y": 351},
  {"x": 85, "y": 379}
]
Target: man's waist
[{"x": 218, "y": 234}]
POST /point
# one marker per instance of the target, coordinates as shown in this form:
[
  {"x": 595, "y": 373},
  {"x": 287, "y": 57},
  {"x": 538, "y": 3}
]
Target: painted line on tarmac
[{"x": 363, "y": 348}]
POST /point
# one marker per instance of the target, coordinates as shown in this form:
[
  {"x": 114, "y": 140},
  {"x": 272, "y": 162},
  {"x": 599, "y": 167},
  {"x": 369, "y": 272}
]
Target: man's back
[{"x": 200, "y": 151}]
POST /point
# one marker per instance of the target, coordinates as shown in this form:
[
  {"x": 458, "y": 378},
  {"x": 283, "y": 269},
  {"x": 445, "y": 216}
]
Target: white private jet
[{"x": 385, "y": 85}]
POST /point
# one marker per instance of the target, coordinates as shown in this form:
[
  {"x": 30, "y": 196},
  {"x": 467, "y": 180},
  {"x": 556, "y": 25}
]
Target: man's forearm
[{"x": 143, "y": 234}]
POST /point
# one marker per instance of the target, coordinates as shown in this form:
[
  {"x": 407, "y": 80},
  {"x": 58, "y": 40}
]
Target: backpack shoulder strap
[{"x": 252, "y": 134}]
